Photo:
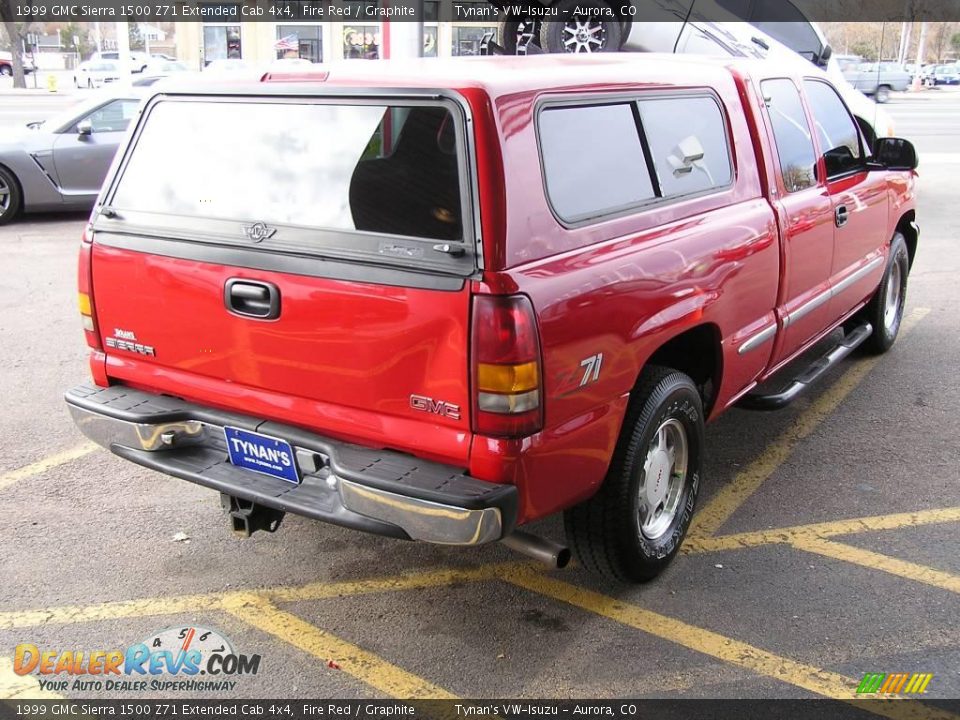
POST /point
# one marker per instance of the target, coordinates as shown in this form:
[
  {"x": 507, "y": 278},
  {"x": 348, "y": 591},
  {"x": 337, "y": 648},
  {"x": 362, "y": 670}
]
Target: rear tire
[
  {"x": 883, "y": 94},
  {"x": 885, "y": 309},
  {"x": 11, "y": 198},
  {"x": 579, "y": 33},
  {"x": 6, "y": 70},
  {"x": 657, "y": 465}
]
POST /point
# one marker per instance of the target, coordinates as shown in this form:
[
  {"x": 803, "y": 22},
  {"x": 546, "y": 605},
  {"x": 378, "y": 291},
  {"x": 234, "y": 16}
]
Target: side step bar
[{"x": 850, "y": 342}]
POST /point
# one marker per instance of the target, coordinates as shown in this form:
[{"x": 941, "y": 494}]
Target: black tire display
[
  {"x": 633, "y": 527},
  {"x": 514, "y": 32},
  {"x": 580, "y": 33},
  {"x": 885, "y": 309}
]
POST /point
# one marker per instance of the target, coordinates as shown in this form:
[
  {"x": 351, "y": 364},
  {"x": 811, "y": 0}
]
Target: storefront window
[
  {"x": 430, "y": 41},
  {"x": 299, "y": 41},
  {"x": 221, "y": 42},
  {"x": 361, "y": 41},
  {"x": 466, "y": 40}
]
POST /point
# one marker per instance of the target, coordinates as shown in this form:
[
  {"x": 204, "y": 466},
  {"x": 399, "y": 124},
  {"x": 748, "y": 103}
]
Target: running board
[{"x": 850, "y": 342}]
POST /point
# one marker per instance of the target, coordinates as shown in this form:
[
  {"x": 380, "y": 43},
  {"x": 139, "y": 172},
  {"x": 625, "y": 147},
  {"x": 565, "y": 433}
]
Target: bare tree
[{"x": 16, "y": 31}]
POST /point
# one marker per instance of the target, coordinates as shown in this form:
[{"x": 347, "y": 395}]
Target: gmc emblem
[{"x": 437, "y": 407}]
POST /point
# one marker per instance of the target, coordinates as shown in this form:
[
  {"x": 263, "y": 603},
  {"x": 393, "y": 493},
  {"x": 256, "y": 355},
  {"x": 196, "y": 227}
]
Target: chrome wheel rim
[
  {"x": 583, "y": 36},
  {"x": 4, "y": 196},
  {"x": 891, "y": 306},
  {"x": 662, "y": 479}
]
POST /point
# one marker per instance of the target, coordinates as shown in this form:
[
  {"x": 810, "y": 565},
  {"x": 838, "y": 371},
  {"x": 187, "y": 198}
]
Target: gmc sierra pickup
[{"x": 437, "y": 301}]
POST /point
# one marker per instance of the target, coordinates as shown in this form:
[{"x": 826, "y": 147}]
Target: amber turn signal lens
[
  {"x": 507, "y": 378},
  {"x": 86, "y": 307}
]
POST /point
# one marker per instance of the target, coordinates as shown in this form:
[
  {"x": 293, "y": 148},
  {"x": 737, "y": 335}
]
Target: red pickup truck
[{"x": 438, "y": 301}]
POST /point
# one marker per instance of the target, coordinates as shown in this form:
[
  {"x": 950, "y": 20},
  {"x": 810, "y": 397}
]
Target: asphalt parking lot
[{"x": 826, "y": 544}]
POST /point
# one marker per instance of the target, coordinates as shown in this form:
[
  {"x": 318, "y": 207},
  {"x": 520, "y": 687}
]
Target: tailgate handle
[{"x": 252, "y": 298}]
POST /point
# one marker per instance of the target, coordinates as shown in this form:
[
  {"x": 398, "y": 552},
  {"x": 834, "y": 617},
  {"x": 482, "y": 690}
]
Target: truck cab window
[
  {"x": 794, "y": 141},
  {"x": 837, "y": 132}
]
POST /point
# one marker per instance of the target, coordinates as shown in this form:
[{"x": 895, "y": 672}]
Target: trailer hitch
[{"x": 246, "y": 517}]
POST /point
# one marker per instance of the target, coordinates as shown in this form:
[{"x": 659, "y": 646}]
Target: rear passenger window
[
  {"x": 838, "y": 133},
  {"x": 791, "y": 132},
  {"x": 688, "y": 144},
  {"x": 593, "y": 160}
]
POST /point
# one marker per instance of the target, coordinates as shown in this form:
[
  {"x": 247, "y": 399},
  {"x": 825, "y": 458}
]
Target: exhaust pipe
[{"x": 540, "y": 549}]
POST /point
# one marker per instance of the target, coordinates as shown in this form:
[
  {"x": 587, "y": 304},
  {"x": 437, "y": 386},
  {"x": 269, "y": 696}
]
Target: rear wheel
[
  {"x": 885, "y": 309},
  {"x": 10, "y": 197},
  {"x": 883, "y": 94},
  {"x": 633, "y": 527},
  {"x": 6, "y": 70},
  {"x": 581, "y": 31}
]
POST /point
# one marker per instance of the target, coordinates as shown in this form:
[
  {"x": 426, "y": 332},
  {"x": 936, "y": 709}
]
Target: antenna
[{"x": 683, "y": 27}]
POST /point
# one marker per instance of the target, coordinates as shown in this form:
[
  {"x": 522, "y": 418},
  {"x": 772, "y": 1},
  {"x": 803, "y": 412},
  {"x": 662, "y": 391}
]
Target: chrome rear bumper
[{"x": 377, "y": 491}]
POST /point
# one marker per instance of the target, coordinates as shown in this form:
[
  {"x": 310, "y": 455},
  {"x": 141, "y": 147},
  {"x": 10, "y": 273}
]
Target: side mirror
[
  {"x": 84, "y": 128},
  {"x": 825, "y": 56},
  {"x": 895, "y": 154}
]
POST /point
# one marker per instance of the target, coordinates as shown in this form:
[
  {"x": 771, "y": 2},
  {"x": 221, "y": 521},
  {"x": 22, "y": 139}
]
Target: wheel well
[
  {"x": 905, "y": 227},
  {"x": 695, "y": 352}
]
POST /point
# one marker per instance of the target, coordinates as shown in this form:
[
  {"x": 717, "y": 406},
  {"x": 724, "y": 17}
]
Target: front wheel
[
  {"x": 580, "y": 30},
  {"x": 883, "y": 94},
  {"x": 633, "y": 527},
  {"x": 6, "y": 70},
  {"x": 885, "y": 309},
  {"x": 10, "y": 198}
]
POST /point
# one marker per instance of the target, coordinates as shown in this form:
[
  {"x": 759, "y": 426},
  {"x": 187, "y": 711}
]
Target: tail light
[
  {"x": 506, "y": 367},
  {"x": 85, "y": 292}
]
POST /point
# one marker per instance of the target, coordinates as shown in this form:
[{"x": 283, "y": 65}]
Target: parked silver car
[
  {"x": 878, "y": 79},
  {"x": 60, "y": 163}
]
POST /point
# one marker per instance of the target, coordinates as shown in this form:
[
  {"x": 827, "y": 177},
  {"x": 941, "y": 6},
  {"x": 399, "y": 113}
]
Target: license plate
[{"x": 262, "y": 453}]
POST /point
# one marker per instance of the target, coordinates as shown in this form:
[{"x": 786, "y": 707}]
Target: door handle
[
  {"x": 841, "y": 215},
  {"x": 252, "y": 298}
]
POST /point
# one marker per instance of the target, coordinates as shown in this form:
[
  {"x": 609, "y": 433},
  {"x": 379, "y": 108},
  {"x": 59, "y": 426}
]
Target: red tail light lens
[
  {"x": 85, "y": 292},
  {"x": 506, "y": 367}
]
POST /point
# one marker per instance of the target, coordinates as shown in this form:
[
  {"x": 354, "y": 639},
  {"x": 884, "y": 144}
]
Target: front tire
[
  {"x": 6, "y": 70},
  {"x": 11, "y": 199},
  {"x": 579, "y": 32},
  {"x": 633, "y": 527},
  {"x": 883, "y": 94},
  {"x": 885, "y": 309}
]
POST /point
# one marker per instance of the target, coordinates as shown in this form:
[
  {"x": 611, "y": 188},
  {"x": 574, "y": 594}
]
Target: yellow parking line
[
  {"x": 109, "y": 611},
  {"x": 409, "y": 581},
  {"x": 41, "y": 466},
  {"x": 366, "y": 666},
  {"x": 877, "y": 561},
  {"x": 850, "y": 526},
  {"x": 176, "y": 605},
  {"x": 810, "y": 678},
  {"x": 725, "y": 503},
  {"x": 21, "y": 687}
]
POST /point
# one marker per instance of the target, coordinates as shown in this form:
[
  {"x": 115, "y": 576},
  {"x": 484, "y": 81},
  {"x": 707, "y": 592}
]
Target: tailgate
[{"x": 278, "y": 260}]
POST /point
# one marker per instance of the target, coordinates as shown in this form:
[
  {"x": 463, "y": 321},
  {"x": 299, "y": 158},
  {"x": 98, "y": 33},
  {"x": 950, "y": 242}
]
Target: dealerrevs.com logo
[{"x": 189, "y": 659}]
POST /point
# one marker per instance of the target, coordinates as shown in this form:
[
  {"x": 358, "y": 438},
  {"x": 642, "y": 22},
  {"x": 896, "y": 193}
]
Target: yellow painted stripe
[
  {"x": 923, "y": 686},
  {"x": 725, "y": 503},
  {"x": 21, "y": 687},
  {"x": 382, "y": 676},
  {"x": 110, "y": 611},
  {"x": 412, "y": 581},
  {"x": 914, "y": 681},
  {"x": 851, "y": 526},
  {"x": 810, "y": 678},
  {"x": 41, "y": 466},
  {"x": 175, "y": 605},
  {"x": 876, "y": 561}
]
